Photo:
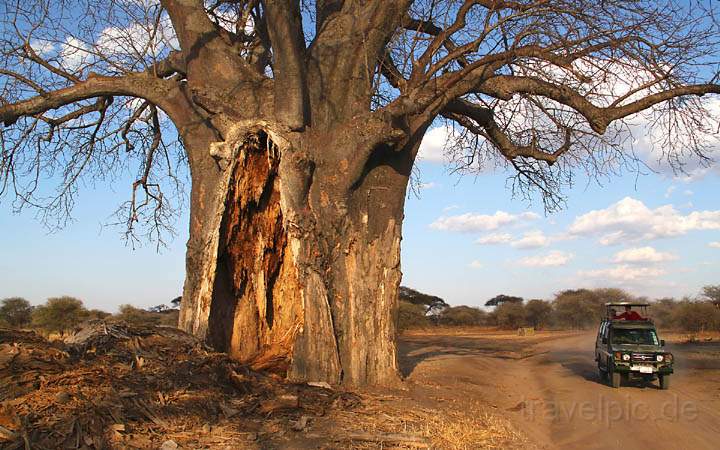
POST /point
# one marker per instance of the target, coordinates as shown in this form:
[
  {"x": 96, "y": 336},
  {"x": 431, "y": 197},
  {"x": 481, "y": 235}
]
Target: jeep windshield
[{"x": 634, "y": 336}]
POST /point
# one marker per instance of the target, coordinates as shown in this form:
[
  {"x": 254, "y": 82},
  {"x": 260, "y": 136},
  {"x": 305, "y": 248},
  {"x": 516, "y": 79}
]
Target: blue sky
[
  {"x": 634, "y": 240},
  {"x": 464, "y": 239}
]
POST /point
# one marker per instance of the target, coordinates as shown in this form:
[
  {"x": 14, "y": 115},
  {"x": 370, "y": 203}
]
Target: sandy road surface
[{"x": 550, "y": 389}]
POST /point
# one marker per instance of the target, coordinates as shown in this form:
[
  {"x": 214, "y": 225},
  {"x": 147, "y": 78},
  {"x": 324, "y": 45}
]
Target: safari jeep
[{"x": 627, "y": 346}]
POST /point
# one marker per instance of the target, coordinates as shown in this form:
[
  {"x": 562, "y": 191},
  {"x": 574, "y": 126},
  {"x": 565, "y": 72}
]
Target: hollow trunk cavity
[{"x": 295, "y": 275}]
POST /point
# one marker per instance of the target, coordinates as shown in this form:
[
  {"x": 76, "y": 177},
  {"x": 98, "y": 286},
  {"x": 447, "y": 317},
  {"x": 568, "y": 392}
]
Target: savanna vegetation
[
  {"x": 568, "y": 309},
  {"x": 60, "y": 315}
]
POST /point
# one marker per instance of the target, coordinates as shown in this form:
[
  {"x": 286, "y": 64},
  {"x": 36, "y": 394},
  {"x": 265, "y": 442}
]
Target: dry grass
[
  {"x": 473, "y": 427},
  {"x": 683, "y": 337}
]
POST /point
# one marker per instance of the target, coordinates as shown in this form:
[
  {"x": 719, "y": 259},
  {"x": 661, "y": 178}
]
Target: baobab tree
[{"x": 300, "y": 122}]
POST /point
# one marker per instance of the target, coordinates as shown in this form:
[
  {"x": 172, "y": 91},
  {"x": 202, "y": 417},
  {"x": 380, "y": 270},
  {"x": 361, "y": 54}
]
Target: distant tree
[
  {"x": 15, "y": 312},
  {"x": 59, "y": 314},
  {"x": 698, "y": 316},
  {"x": 411, "y": 316},
  {"x": 137, "y": 316},
  {"x": 462, "y": 315},
  {"x": 538, "y": 313},
  {"x": 169, "y": 318},
  {"x": 176, "y": 302},
  {"x": 712, "y": 293},
  {"x": 502, "y": 298},
  {"x": 605, "y": 295},
  {"x": 432, "y": 303},
  {"x": 96, "y": 314},
  {"x": 579, "y": 308},
  {"x": 510, "y": 315},
  {"x": 664, "y": 313}
]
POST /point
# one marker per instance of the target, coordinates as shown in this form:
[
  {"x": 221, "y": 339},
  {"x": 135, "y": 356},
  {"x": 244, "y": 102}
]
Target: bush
[
  {"x": 59, "y": 314},
  {"x": 462, "y": 316},
  {"x": 411, "y": 316},
  {"x": 697, "y": 316},
  {"x": 15, "y": 312},
  {"x": 137, "y": 316},
  {"x": 537, "y": 313},
  {"x": 510, "y": 315},
  {"x": 582, "y": 308}
]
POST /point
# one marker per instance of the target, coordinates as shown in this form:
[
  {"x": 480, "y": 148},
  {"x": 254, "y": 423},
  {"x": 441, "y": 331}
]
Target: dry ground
[
  {"x": 549, "y": 389},
  {"x": 464, "y": 389}
]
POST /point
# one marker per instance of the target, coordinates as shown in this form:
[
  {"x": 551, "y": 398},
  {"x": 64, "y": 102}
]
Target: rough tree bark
[{"x": 291, "y": 267}]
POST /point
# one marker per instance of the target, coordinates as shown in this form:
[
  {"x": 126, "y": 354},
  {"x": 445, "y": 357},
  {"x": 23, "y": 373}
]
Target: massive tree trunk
[{"x": 292, "y": 267}]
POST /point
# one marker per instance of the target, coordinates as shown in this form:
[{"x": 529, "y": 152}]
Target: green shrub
[
  {"x": 15, "y": 312},
  {"x": 59, "y": 314},
  {"x": 462, "y": 316},
  {"x": 538, "y": 313},
  {"x": 411, "y": 316},
  {"x": 137, "y": 316},
  {"x": 510, "y": 315}
]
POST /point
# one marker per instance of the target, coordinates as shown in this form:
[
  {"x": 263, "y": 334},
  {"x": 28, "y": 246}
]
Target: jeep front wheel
[{"x": 664, "y": 382}]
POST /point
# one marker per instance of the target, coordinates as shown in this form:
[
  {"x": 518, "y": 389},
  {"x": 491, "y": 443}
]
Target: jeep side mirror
[{"x": 662, "y": 342}]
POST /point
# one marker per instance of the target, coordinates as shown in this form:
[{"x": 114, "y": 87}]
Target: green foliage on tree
[
  {"x": 538, "y": 313},
  {"x": 97, "y": 314},
  {"x": 462, "y": 316},
  {"x": 582, "y": 308},
  {"x": 431, "y": 303},
  {"x": 137, "y": 316},
  {"x": 510, "y": 315},
  {"x": 59, "y": 314},
  {"x": 15, "y": 312},
  {"x": 502, "y": 298},
  {"x": 697, "y": 316},
  {"x": 411, "y": 316}
]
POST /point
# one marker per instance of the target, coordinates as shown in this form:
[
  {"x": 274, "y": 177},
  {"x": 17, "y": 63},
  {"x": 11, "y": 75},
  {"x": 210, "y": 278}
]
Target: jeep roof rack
[
  {"x": 627, "y": 304},
  {"x": 609, "y": 309}
]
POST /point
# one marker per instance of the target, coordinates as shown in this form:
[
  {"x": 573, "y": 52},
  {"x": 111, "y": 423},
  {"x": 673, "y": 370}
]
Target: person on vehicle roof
[{"x": 629, "y": 314}]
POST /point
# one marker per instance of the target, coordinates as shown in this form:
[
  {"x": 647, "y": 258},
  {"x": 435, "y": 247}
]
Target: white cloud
[
  {"x": 450, "y": 208},
  {"x": 429, "y": 185},
  {"x": 74, "y": 54},
  {"x": 532, "y": 239},
  {"x": 494, "y": 238},
  {"x": 475, "y": 264},
  {"x": 42, "y": 47},
  {"x": 715, "y": 244},
  {"x": 639, "y": 255},
  {"x": 630, "y": 220},
  {"x": 470, "y": 222},
  {"x": 554, "y": 258},
  {"x": 432, "y": 147},
  {"x": 688, "y": 192},
  {"x": 624, "y": 272},
  {"x": 669, "y": 191},
  {"x": 136, "y": 41}
]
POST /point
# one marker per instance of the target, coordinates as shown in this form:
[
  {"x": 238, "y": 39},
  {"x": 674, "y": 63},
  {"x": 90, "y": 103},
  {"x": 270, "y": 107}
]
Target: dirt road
[{"x": 550, "y": 390}]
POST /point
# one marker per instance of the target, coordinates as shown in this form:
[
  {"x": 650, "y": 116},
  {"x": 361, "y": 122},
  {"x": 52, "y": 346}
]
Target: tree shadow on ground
[{"x": 414, "y": 350}]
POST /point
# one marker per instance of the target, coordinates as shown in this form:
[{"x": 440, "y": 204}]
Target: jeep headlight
[
  {"x": 660, "y": 358},
  {"x": 626, "y": 357}
]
